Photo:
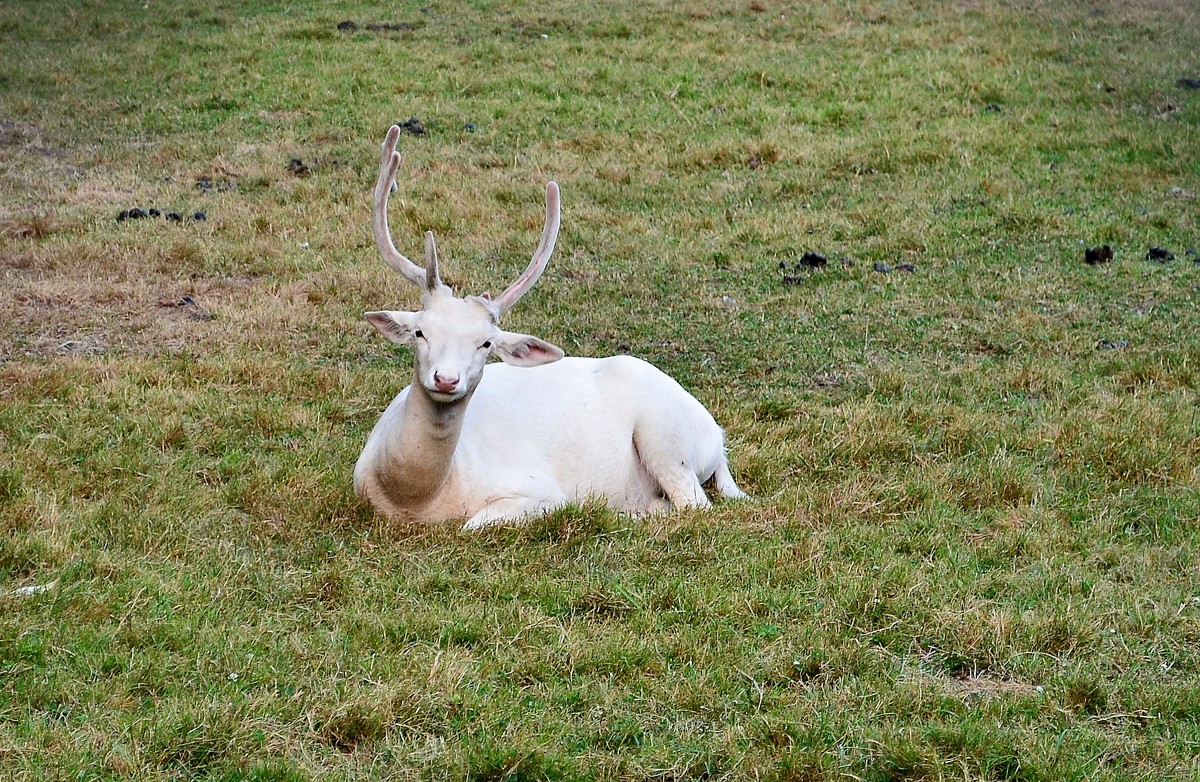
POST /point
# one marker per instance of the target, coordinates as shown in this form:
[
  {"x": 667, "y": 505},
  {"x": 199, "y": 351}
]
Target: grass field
[{"x": 974, "y": 551}]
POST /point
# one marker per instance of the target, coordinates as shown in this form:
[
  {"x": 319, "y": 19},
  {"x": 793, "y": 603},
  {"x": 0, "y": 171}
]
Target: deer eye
[
  {"x": 487, "y": 344},
  {"x": 418, "y": 334}
]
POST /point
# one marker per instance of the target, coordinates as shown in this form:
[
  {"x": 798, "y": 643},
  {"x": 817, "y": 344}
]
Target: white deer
[{"x": 496, "y": 444}]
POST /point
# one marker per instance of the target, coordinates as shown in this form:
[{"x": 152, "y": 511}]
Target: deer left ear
[{"x": 522, "y": 350}]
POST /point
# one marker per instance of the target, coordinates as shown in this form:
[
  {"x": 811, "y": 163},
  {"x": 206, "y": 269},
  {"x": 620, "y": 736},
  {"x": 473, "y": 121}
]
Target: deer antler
[
  {"x": 428, "y": 279},
  {"x": 541, "y": 256},
  {"x": 379, "y": 222}
]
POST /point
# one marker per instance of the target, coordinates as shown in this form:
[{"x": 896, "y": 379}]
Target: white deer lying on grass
[{"x": 494, "y": 444}]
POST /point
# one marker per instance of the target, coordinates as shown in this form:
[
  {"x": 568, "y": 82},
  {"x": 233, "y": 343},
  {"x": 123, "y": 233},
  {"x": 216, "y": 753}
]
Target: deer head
[{"x": 452, "y": 338}]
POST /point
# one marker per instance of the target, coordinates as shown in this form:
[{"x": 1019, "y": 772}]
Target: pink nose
[{"x": 445, "y": 384}]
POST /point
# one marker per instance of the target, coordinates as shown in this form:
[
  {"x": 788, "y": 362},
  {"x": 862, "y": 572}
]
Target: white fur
[
  {"x": 492, "y": 444},
  {"x": 617, "y": 429}
]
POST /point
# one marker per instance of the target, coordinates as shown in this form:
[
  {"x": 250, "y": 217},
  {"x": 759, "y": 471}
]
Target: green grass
[{"x": 973, "y": 553}]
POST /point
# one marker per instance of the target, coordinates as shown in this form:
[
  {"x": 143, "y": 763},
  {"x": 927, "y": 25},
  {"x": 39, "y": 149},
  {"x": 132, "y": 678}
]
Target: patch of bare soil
[
  {"x": 66, "y": 317},
  {"x": 350, "y": 26},
  {"x": 50, "y": 308},
  {"x": 15, "y": 134},
  {"x": 28, "y": 227},
  {"x": 55, "y": 314},
  {"x": 981, "y": 686}
]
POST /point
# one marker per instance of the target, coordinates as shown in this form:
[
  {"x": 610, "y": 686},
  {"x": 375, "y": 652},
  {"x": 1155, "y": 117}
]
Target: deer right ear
[{"x": 399, "y": 327}]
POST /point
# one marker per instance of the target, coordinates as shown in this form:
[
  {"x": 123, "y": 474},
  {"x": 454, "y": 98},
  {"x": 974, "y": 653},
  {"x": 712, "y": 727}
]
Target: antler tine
[
  {"x": 541, "y": 256},
  {"x": 379, "y": 222},
  {"x": 433, "y": 280}
]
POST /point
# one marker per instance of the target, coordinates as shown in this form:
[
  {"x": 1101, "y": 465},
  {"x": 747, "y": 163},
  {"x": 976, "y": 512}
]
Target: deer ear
[
  {"x": 396, "y": 326},
  {"x": 522, "y": 350}
]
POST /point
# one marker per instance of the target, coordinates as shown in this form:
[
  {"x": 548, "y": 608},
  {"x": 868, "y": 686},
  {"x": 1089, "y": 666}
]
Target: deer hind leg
[
  {"x": 725, "y": 484},
  {"x": 683, "y": 488},
  {"x": 660, "y": 452}
]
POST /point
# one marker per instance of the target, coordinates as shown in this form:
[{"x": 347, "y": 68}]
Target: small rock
[
  {"x": 413, "y": 127},
  {"x": 174, "y": 217},
  {"x": 122, "y": 215},
  {"x": 469, "y": 127},
  {"x": 789, "y": 279},
  {"x": 34, "y": 589},
  {"x": 1166, "y": 110},
  {"x": 1096, "y": 255},
  {"x": 1112, "y": 344},
  {"x": 812, "y": 261},
  {"x": 1159, "y": 255},
  {"x": 882, "y": 267},
  {"x": 906, "y": 267},
  {"x": 154, "y": 213},
  {"x": 296, "y": 167},
  {"x": 199, "y": 216},
  {"x": 993, "y": 107},
  {"x": 1193, "y": 254},
  {"x": 137, "y": 213},
  {"x": 1188, "y": 84},
  {"x": 187, "y": 304},
  {"x": 347, "y": 26},
  {"x": 206, "y": 185}
]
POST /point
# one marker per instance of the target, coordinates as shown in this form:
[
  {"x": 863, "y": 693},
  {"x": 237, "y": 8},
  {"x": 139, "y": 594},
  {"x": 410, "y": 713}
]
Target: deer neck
[{"x": 422, "y": 447}]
